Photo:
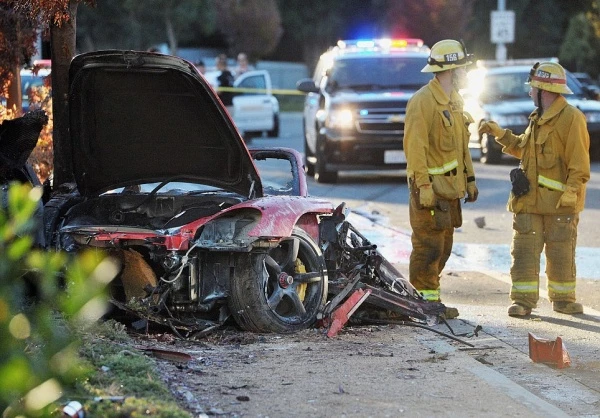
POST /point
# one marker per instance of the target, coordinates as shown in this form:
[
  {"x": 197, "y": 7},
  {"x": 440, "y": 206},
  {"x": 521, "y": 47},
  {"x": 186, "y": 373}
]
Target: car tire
[
  {"x": 490, "y": 154},
  {"x": 322, "y": 174},
  {"x": 270, "y": 291},
  {"x": 54, "y": 212},
  {"x": 274, "y": 133}
]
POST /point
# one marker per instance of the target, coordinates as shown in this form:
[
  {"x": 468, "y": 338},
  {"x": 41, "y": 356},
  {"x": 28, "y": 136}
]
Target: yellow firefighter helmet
[
  {"x": 550, "y": 76},
  {"x": 447, "y": 55}
]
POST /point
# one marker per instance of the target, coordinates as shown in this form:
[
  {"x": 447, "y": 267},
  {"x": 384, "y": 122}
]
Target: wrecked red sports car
[
  {"x": 162, "y": 179},
  {"x": 158, "y": 176}
]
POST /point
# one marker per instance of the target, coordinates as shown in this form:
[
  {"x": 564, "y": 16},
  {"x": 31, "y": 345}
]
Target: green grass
[{"x": 119, "y": 370}]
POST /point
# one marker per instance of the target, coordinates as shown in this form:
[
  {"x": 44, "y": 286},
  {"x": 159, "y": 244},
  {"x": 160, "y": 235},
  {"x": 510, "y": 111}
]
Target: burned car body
[
  {"x": 18, "y": 137},
  {"x": 163, "y": 182}
]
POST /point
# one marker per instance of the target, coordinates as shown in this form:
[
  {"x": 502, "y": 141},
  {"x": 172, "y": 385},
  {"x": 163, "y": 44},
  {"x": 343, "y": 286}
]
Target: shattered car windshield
[{"x": 373, "y": 73}]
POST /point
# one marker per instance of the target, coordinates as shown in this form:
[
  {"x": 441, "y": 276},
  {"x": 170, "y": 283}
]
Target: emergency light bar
[{"x": 383, "y": 43}]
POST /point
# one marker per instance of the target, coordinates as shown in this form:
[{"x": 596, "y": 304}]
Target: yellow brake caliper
[{"x": 301, "y": 269}]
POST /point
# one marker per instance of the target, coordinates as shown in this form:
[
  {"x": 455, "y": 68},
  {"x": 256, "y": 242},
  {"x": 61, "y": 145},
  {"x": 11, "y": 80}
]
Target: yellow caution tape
[{"x": 260, "y": 91}]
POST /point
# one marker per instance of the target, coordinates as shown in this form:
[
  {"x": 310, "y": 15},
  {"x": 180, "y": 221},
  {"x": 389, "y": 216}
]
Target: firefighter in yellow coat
[
  {"x": 554, "y": 154},
  {"x": 439, "y": 166}
]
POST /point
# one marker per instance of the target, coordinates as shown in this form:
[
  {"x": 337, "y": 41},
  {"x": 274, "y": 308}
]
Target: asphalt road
[{"x": 384, "y": 196}]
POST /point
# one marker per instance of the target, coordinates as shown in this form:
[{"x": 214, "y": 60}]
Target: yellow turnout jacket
[
  {"x": 436, "y": 139},
  {"x": 554, "y": 153}
]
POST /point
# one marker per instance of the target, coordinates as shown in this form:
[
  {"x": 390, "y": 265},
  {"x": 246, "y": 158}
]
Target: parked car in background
[
  {"x": 589, "y": 84},
  {"x": 162, "y": 181},
  {"x": 255, "y": 109},
  {"x": 33, "y": 79},
  {"x": 500, "y": 94},
  {"x": 356, "y": 105}
]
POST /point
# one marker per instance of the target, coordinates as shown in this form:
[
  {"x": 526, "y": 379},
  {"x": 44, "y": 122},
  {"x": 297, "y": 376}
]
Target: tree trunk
[
  {"x": 63, "y": 50},
  {"x": 15, "y": 95}
]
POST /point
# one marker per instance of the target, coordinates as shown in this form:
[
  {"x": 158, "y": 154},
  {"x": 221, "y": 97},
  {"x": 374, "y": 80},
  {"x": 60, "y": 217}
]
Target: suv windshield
[
  {"x": 373, "y": 73},
  {"x": 508, "y": 86}
]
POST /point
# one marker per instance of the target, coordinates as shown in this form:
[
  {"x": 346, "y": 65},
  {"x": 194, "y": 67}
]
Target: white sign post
[
  {"x": 502, "y": 31},
  {"x": 503, "y": 27}
]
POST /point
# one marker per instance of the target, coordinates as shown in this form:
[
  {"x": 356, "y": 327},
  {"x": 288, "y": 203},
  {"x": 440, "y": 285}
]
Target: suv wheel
[
  {"x": 322, "y": 174},
  {"x": 308, "y": 156},
  {"x": 490, "y": 154}
]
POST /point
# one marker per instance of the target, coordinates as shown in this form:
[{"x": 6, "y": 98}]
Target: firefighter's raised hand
[
  {"x": 426, "y": 196},
  {"x": 472, "y": 192},
  {"x": 491, "y": 127}
]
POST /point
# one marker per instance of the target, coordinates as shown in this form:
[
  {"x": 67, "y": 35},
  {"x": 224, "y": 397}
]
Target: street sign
[{"x": 502, "y": 29}]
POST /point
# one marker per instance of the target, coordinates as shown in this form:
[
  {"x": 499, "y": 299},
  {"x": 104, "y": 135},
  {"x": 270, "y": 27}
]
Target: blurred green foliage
[{"x": 41, "y": 294}]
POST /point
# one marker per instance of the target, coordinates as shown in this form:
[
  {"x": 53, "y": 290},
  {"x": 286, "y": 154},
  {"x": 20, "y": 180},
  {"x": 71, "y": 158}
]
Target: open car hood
[{"x": 139, "y": 117}]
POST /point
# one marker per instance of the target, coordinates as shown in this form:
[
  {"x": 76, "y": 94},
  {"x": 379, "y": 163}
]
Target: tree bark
[
  {"x": 62, "y": 50},
  {"x": 15, "y": 95}
]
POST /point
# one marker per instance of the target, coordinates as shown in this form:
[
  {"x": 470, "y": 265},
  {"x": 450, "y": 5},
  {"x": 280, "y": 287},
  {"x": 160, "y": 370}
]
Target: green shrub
[
  {"x": 41, "y": 293},
  {"x": 53, "y": 349}
]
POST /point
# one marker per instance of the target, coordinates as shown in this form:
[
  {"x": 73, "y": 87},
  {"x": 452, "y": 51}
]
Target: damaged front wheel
[{"x": 281, "y": 290}]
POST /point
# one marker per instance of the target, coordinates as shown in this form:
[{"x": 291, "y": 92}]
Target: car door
[
  {"x": 312, "y": 104},
  {"x": 253, "y": 104}
]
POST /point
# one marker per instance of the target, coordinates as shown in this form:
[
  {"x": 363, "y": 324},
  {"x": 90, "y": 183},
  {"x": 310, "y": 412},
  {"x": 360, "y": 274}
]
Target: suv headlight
[
  {"x": 511, "y": 120},
  {"x": 340, "y": 119},
  {"x": 592, "y": 117}
]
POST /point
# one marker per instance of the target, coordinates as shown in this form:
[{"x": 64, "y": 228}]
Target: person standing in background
[
  {"x": 243, "y": 65},
  {"x": 200, "y": 66},
  {"x": 224, "y": 79}
]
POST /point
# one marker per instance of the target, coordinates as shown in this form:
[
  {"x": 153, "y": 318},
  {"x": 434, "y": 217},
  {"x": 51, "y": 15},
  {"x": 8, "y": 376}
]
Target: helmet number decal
[
  {"x": 453, "y": 57},
  {"x": 543, "y": 74}
]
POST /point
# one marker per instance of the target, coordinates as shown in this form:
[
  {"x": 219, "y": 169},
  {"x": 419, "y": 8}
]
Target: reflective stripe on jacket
[
  {"x": 554, "y": 153},
  {"x": 551, "y": 184},
  {"x": 436, "y": 139},
  {"x": 446, "y": 168}
]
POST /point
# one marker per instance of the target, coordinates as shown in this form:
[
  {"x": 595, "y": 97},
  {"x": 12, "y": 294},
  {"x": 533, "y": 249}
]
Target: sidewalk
[
  {"x": 500, "y": 359},
  {"x": 482, "y": 300}
]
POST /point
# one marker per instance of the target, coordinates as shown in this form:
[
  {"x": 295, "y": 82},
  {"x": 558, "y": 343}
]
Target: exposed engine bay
[{"x": 152, "y": 211}]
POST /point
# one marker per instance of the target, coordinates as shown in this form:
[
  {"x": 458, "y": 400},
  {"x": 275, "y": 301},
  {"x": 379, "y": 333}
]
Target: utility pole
[{"x": 501, "y": 47}]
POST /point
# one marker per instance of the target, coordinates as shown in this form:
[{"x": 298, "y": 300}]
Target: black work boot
[
  {"x": 451, "y": 313},
  {"x": 569, "y": 308},
  {"x": 518, "y": 310}
]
